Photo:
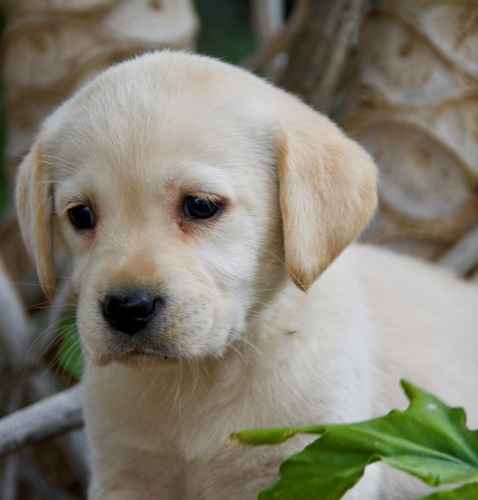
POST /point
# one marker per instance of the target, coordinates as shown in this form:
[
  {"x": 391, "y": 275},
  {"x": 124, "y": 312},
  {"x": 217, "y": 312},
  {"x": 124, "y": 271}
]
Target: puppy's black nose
[{"x": 130, "y": 313}]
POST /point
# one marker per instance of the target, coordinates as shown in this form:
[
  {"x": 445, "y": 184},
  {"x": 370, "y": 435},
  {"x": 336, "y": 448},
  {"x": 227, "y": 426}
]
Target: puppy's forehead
[{"x": 163, "y": 105}]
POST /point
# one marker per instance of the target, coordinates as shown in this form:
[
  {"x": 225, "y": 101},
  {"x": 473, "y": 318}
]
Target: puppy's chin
[{"x": 136, "y": 360}]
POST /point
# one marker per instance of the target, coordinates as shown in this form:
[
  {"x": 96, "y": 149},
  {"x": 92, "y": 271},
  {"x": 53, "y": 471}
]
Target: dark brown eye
[
  {"x": 200, "y": 208},
  {"x": 82, "y": 217}
]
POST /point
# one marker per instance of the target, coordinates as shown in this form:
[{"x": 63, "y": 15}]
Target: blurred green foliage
[
  {"x": 69, "y": 354},
  {"x": 226, "y": 30}
]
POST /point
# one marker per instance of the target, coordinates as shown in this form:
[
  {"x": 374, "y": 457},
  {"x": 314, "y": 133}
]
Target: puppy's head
[{"x": 185, "y": 190}]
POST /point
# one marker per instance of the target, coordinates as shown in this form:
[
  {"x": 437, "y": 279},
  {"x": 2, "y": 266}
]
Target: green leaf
[
  {"x": 467, "y": 492},
  {"x": 271, "y": 436},
  {"x": 428, "y": 440}
]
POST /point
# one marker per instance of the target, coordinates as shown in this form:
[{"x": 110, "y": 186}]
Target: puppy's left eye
[{"x": 200, "y": 208}]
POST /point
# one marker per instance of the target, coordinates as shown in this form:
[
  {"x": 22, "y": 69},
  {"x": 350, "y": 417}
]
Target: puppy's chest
[
  {"x": 191, "y": 443},
  {"x": 187, "y": 427},
  {"x": 208, "y": 468}
]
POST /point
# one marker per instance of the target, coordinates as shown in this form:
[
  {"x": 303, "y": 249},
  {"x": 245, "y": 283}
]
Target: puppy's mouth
[
  {"x": 147, "y": 358},
  {"x": 136, "y": 354}
]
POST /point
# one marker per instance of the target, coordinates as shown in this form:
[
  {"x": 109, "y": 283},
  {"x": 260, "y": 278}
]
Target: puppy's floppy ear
[
  {"x": 327, "y": 192},
  {"x": 34, "y": 203}
]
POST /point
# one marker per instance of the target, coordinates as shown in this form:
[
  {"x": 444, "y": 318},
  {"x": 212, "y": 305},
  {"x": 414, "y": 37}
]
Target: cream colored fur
[{"x": 266, "y": 319}]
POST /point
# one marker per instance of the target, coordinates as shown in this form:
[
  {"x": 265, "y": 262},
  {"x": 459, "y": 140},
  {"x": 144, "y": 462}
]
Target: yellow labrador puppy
[{"x": 205, "y": 213}]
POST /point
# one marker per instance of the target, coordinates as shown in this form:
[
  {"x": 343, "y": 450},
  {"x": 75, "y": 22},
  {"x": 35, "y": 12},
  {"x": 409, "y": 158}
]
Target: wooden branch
[
  {"x": 16, "y": 337},
  {"x": 282, "y": 40},
  {"x": 463, "y": 256},
  {"x": 30, "y": 473},
  {"x": 349, "y": 19},
  {"x": 319, "y": 56},
  {"x": 47, "y": 418},
  {"x": 16, "y": 395},
  {"x": 267, "y": 21},
  {"x": 15, "y": 328},
  {"x": 268, "y": 18},
  {"x": 74, "y": 448},
  {"x": 9, "y": 483}
]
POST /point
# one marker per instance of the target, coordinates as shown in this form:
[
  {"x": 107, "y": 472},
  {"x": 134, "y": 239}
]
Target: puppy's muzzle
[{"x": 131, "y": 312}]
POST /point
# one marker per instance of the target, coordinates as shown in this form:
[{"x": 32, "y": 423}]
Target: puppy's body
[
  {"x": 335, "y": 355},
  {"x": 229, "y": 338}
]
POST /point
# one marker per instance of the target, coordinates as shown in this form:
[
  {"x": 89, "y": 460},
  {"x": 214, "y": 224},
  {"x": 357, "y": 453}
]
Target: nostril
[
  {"x": 129, "y": 313},
  {"x": 139, "y": 305}
]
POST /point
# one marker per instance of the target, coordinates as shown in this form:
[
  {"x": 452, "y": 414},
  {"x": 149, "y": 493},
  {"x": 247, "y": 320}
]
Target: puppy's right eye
[{"x": 82, "y": 217}]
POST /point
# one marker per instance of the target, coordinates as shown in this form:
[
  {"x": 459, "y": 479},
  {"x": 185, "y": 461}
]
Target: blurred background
[{"x": 399, "y": 76}]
